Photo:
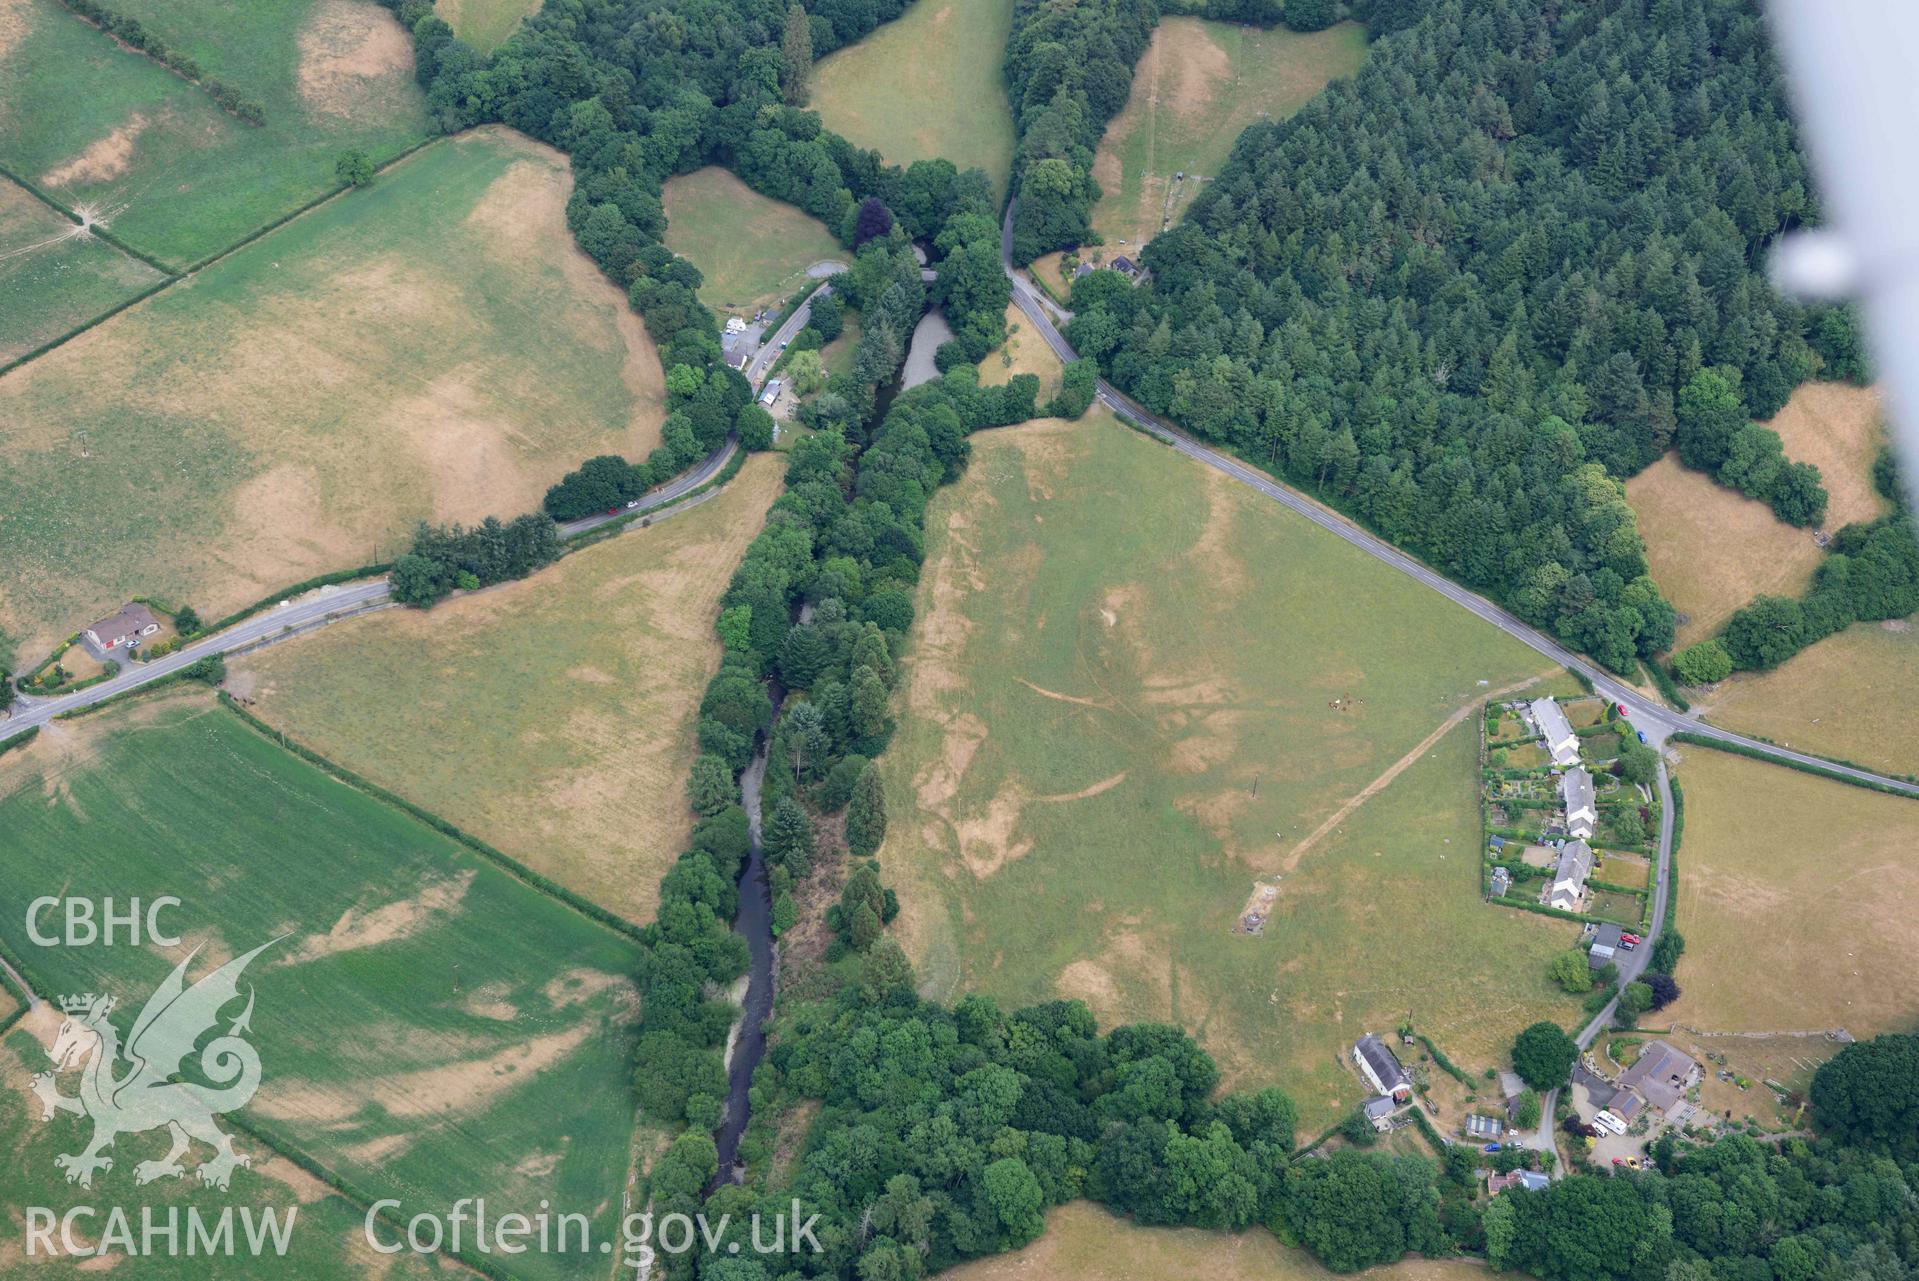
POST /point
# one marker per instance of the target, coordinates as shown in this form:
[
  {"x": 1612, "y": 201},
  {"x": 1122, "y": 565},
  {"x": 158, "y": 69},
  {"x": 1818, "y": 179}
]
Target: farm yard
[
  {"x": 751, "y": 249},
  {"x": 430, "y": 1027},
  {"x": 1195, "y": 90},
  {"x": 926, "y": 86},
  {"x": 1132, "y": 694},
  {"x": 1851, "y": 696},
  {"x": 55, "y": 276},
  {"x": 571, "y": 698},
  {"x": 1811, "y": 883},
  {"x": 294, "y": 408},
  {"x": 1084, "y": 1242},
  {"x": 175, "y": 175}
]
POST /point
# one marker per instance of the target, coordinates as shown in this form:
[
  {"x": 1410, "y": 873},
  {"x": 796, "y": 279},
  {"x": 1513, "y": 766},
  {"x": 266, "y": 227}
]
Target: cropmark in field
[
  {"x": 1138, "y": 690},
  {"x": 431, "y": 347},
  {"x": 554, "y": 716},
  {"x": 106, "y": 129},
  {"x": 1811, "y": 884},
  {"x": 429, "y": 1027}
]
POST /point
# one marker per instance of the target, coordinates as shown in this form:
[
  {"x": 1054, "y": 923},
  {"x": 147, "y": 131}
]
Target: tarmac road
[{"x": 303, "y": 614}]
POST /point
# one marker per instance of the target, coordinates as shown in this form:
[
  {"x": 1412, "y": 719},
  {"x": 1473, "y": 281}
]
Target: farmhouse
[
  {"x": 735, "y": 349},
  {"x": 1605, "y": 948},
  {"x": 1661, "y": 1075},
  {"x": 1380, "y": 1066},
  {"x": 1556, "y": 730},
  {"x": 1380, "y": 1110},
  {"x": 1568, "y": 886},
  {"x": 129, "y": 623},
  {"x": 1125, "y": 266},
  {"x": 1581, "y": 814}
]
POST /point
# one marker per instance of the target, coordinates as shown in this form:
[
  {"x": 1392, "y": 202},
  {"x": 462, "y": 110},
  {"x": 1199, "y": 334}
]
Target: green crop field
[
  {"x": 752, "y": 250},
  {"x": 101, "y": 126},
  {"x": 1138, "y": 693},
  {"x": 429, "y": 1026},
  {"x": 326, "y": 1242},
  {"x": 1813, "y": 881},
  {"x": 926, "y": 86},
  {"x": 1194, "y": 92},
  {"x": 572, "y": 696},
  {"x": 294, "y": 408},
  {"x": 53, "y": 275}
]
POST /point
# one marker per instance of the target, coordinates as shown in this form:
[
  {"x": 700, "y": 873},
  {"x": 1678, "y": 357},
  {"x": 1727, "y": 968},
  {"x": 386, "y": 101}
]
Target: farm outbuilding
[{"x": 1381, "y": 1067}]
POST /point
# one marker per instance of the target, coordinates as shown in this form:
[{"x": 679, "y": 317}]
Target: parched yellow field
[
  {"x": 433, "y": 346},
  {"x": 1854, "y": 696},
  {"x": 1808, "y": 884},
  {"x": 1838, "y": 429},
  {"x": 1086, "y": 1242},
  {"x": 1024, "y": 352},
  {"x": 926, "y": 86},
  {"x": 1711, "y": 549},
  {"x": 1195, "y": 90},
  {"x": 1136, "y": 691},
  {"x": 553, "y": 717}
]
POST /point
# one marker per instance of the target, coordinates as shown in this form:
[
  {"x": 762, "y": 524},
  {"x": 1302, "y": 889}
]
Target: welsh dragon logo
[{"x": 145, "y": 1096}]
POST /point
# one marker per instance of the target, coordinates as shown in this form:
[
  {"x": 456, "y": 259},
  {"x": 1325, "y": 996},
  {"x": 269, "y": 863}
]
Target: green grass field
[
  {"x": 1194, "y": 92},
  {"x": 752, "y": 250},
  {"x": 429, "y": 1026},
  {"x": 485, "y": 24},
  {"x": 293, "y": 409},
  {"x": 99, "y": 125},
  {"x": 53, "y": 275},
  {"x": 1137, "y": 690},
  {"x": 1810, "y": 880},
  {"x": 572, "y": 695},
  {"x": 926, "y": 86},
  {"x": 324, "y": 1245}
]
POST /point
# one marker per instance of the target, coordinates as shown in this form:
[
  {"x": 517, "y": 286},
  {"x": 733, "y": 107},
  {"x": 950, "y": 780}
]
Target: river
[{"x": 754, "y": 922}]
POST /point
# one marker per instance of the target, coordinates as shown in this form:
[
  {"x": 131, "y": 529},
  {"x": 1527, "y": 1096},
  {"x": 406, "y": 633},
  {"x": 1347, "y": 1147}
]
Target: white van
[{"x": 1610, "y": 1123}]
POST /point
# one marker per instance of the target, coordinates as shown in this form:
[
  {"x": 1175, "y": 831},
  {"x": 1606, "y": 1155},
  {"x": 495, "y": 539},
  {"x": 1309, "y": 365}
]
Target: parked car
[
  {"x": 1621, "y": 707},
  {"x": 1491, "y": 1147},
  {"x": 1642, "y": 735}
]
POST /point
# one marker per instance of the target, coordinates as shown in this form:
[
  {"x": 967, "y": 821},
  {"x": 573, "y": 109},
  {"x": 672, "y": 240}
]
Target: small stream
[{"x": 755, "y": 923}]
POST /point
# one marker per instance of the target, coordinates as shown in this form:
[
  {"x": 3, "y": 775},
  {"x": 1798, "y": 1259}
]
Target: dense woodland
[
  {"x": 944, "y": 1133},
  {"x": 1464, "y": 293}
]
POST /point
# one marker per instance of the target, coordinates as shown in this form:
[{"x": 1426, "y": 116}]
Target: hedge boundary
[
  {"x": 1672, "y": 857},
  {"x": 19, "y": 740},
  {"x": 1740, "y": 749},
  {"x": 1667, "y": 686},
  {"x": 297, "y": 589},
  {"x": 1439, "y": 1056},
  {"x": 505, "y": 862}
]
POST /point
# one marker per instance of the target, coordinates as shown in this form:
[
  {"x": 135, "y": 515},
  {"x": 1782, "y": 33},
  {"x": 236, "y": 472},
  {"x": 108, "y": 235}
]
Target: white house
[
  {"x": 132, "y": 622},
  {"x": 1556, "y": 730},
  {"x": 1576, "y": 786},
  {"x": 1380, "y": 1066},
  {"x": 1567, "y": 889}
]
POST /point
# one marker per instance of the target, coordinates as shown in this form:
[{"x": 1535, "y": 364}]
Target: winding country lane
[{"x": 311, "y": 611}]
